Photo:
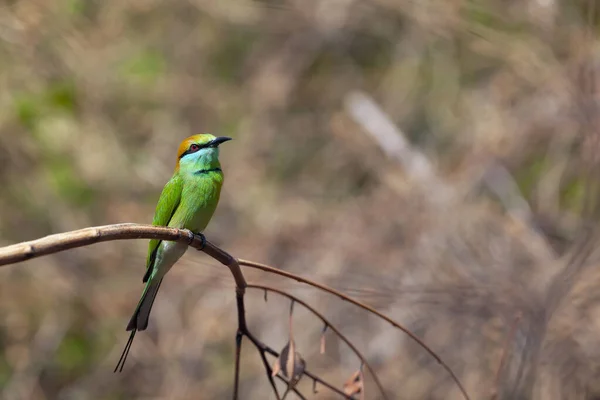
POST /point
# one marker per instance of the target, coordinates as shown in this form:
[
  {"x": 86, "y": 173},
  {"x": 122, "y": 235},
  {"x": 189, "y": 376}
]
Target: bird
[{"x": 188, "y": 201}]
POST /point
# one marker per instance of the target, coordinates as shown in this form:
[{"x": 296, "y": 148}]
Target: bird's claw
[{"x": 203, "y": 238}]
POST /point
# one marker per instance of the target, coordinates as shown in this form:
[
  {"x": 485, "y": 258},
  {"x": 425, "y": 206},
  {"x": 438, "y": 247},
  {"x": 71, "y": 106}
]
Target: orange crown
[{"x": 200, "y": 139}]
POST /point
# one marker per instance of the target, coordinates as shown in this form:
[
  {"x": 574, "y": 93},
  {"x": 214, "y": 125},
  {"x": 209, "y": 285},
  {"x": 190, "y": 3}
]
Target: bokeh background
[{"x": 429, "y": 157}]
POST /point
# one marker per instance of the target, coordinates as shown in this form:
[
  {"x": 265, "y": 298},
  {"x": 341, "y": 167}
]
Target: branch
[
  {"x": 263, "y": 349},
  {"x": 83, "y": 237},
  {"x": 266, "y": 268},
  {"x": 330, "y": 326},
  {"x": 87, "y": 236}
]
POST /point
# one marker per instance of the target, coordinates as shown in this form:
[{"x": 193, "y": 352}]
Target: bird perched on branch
[{"x": 187, "y": 201}]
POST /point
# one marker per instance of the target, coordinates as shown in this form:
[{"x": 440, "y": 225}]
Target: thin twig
[
  {"x": 262, "y": 349},
  {"x": 266, "y": 268},
  {"x": 330, "y": 325},
  {"x": 238, "y": 351}
]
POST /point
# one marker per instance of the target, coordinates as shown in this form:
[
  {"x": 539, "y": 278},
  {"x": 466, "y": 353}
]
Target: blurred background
[{"x": 429, "y": 157}]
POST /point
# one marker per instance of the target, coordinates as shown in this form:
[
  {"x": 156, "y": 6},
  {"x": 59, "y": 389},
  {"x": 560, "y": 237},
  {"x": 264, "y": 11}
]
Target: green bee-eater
[{"x": 187, "y": 201}]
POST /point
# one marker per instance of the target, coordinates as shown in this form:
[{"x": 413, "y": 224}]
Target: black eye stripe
[{"x": 190, "y": 151}]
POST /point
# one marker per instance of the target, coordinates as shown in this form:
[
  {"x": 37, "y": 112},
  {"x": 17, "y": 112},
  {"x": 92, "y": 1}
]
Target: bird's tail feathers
[
  {"x": 125, "y": 352},
  {"x": 139, "y": 319}
]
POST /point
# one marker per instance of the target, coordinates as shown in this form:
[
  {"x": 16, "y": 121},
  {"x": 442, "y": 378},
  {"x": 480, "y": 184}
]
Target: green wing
[{"x": 167, "y": 204}]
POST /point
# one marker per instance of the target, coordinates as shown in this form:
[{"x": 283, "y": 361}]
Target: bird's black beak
[{"x": 217, "y": 141}]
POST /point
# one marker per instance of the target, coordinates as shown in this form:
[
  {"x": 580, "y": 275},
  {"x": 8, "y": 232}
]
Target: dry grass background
[{"x": 497, "y": 95}]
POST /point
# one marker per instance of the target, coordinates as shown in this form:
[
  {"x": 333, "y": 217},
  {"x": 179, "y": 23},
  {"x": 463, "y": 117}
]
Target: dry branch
[
  {"x": 329, "y": 325},
  {"x": 266, "y": 268},
  {"x": 87, "y": 236},
  {"x": 84, "y": 237}
]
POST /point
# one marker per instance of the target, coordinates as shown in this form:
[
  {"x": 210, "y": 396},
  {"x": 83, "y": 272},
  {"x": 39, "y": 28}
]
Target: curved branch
[
  {"x": 266, "y": 268},
  {"x": 83, "y": 237},
  {"x": 330, "y": 326},
  {"x": 262, "y": 349}
]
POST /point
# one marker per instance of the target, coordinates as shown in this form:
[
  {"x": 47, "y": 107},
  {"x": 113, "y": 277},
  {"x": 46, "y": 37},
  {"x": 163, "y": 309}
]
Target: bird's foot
[{"x": 203, "y": 238}]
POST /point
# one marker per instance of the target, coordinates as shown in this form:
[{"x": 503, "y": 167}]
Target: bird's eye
[{"x": 194, "y": 147}]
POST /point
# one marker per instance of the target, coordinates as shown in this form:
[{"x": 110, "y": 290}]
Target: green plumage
[
  {"x": 188, "y": 201},
  {"x": 167, "y": 204}
]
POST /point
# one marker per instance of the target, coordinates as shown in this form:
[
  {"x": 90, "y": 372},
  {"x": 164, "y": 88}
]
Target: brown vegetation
[{"x": 463, "y": 231}]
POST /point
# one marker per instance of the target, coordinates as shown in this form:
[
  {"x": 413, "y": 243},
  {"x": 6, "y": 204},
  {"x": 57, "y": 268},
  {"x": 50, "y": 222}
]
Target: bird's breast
[{"x": 199, "y": 200}]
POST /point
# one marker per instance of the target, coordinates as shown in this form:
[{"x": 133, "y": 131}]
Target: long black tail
[
  {"x": 139, "y": 319},
  {"x": 125, "y": 352}
]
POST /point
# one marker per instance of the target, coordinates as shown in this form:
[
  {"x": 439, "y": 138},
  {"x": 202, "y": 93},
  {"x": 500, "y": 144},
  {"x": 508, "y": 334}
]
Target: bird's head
[{"x": 199, "y": 152}]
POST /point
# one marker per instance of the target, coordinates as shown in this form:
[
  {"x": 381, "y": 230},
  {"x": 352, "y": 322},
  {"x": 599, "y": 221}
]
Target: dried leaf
[
  {"x": 276, "y": 368},
  {"x": 297, "y": 371},
  {"x": 354, "y": 385},
  {"x": 322, "y": 349},
  {"x": 291, "y": 365}
]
